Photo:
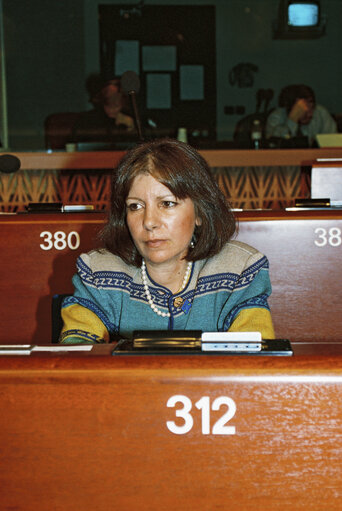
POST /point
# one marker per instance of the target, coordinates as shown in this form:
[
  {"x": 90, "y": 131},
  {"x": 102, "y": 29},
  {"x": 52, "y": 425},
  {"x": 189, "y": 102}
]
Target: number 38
[
  {"x": 330, "y": 237},
  {"x": 203, "y": 404}
]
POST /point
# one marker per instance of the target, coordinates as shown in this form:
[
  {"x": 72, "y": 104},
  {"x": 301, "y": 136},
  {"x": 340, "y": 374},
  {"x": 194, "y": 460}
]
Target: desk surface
[
  {"x": 303, "y": 247},
  {"x": 215, "y": 158},
  {"x": 100, "y": 432}
]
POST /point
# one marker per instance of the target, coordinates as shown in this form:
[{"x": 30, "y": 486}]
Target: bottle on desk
[
  {"x": 256, "y": 134},
  {"x": 182, "y": 135}
]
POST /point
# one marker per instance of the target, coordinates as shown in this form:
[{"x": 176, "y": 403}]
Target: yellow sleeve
[
  {"x": 254, "y": 320},
  {"x": 82, "y": 326}
]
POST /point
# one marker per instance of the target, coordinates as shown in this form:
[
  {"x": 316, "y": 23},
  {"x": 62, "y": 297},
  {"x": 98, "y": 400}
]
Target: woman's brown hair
[{"x": 186, "y": 173}]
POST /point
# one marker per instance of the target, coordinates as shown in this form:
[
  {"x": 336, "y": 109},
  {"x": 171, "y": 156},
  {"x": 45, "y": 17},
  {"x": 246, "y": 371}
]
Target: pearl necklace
[{"x": 147, "y": 291}]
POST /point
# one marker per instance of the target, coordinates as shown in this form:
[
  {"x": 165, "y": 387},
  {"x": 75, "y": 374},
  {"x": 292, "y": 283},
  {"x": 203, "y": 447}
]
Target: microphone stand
[
  {"x": 130, "y": 85},
  {"x": 137, "y": 123}
]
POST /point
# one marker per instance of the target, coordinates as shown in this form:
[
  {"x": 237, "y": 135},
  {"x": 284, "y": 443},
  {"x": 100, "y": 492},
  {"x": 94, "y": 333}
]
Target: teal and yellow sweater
[{"x": 226, "y": 292}]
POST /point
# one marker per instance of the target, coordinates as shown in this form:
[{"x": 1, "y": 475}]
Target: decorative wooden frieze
[{"x": 246, "y": 187}]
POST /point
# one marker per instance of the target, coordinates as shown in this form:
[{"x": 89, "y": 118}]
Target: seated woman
[{"x": 169, "y": 262}]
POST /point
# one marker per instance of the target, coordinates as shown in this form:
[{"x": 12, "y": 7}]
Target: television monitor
[
  {"x": 303, "y": 14},
  {"x": 299, "y": 19}
]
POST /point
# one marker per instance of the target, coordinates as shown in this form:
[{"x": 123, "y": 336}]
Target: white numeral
[
  {"x": 335, "y": 237},
  {"x": 331, "y": 237},
  {"x": 47, "y": 240},
  {"x": 203, "y": 404},
  {"x": 183, "y": 413},
  {"x": 220, "y": 427},
  {"x": 60, "y": 240},
  {"x": 74, "y": 240}
]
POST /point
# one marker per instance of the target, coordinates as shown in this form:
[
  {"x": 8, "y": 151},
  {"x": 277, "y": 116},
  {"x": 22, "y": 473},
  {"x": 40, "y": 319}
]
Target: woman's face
[{"x": 160, "y": 224}]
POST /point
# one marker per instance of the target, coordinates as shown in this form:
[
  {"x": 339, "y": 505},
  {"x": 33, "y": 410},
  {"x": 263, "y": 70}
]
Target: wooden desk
[
  {"x": 215, "y": 158},
  {"x": 90, "y": 432},
  {"x": 307, "y": 294},
  {"x": 304, "y": 249},
  {"x": 38, "y": 262}
]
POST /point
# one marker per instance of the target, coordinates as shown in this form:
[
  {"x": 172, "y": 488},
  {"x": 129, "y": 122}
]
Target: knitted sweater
[{"x": 226, "y": 292}]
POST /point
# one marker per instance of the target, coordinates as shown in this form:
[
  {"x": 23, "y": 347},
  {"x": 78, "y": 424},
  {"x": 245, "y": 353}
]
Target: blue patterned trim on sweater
[
  {"x": 230, "y": 281},
  {"x": 217, "y": 282},
  {"x": 257, "y": 301},
  {"x": 248, "y": 275},
  {"x": 112, "y": 280},
  {"x": 82, "y": 334},
  {"x": 161, "y": 298},
  {"x": 84, "y": 271},
  {"x": 138, "y": 292},
  {"x": 104, "y": 279}
]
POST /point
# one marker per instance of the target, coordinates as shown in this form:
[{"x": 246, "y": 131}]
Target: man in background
[
  {"x": 107, "y": 120},
  {"x": 299, "y": 115}
]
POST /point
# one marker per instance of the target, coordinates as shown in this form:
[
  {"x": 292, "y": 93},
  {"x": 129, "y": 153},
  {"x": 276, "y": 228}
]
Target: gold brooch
[{"x": 178, "y": 301}]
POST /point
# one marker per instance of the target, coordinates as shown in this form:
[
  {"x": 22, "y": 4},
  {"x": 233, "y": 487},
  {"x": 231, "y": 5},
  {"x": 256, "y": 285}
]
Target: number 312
[{"x": 203, "y": 404}]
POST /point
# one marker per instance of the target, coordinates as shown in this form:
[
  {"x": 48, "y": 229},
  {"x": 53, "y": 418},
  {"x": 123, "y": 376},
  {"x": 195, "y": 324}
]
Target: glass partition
[{"x": 210, "y": 68}]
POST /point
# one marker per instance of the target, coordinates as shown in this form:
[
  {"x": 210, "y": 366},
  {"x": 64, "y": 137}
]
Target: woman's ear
[{"x": 198, "y": 221}]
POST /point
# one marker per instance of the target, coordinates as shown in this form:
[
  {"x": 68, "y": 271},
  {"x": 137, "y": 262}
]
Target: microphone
[
  {"x": 9, "y": 163},
  {"x": 130, "y": 84}
]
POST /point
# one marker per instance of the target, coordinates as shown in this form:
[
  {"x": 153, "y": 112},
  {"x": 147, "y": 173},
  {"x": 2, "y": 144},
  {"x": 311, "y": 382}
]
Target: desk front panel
[
  {"x": 304, "y": 250},
  {"x": 103, "y": 433},
  {"x": 37, "y": 261},
  {"x": 305, "y": 255}
]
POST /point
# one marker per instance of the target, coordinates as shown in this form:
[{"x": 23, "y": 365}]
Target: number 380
[
  {"x": 60, "y": 240},
  {"x": 203, "y": 404}
]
